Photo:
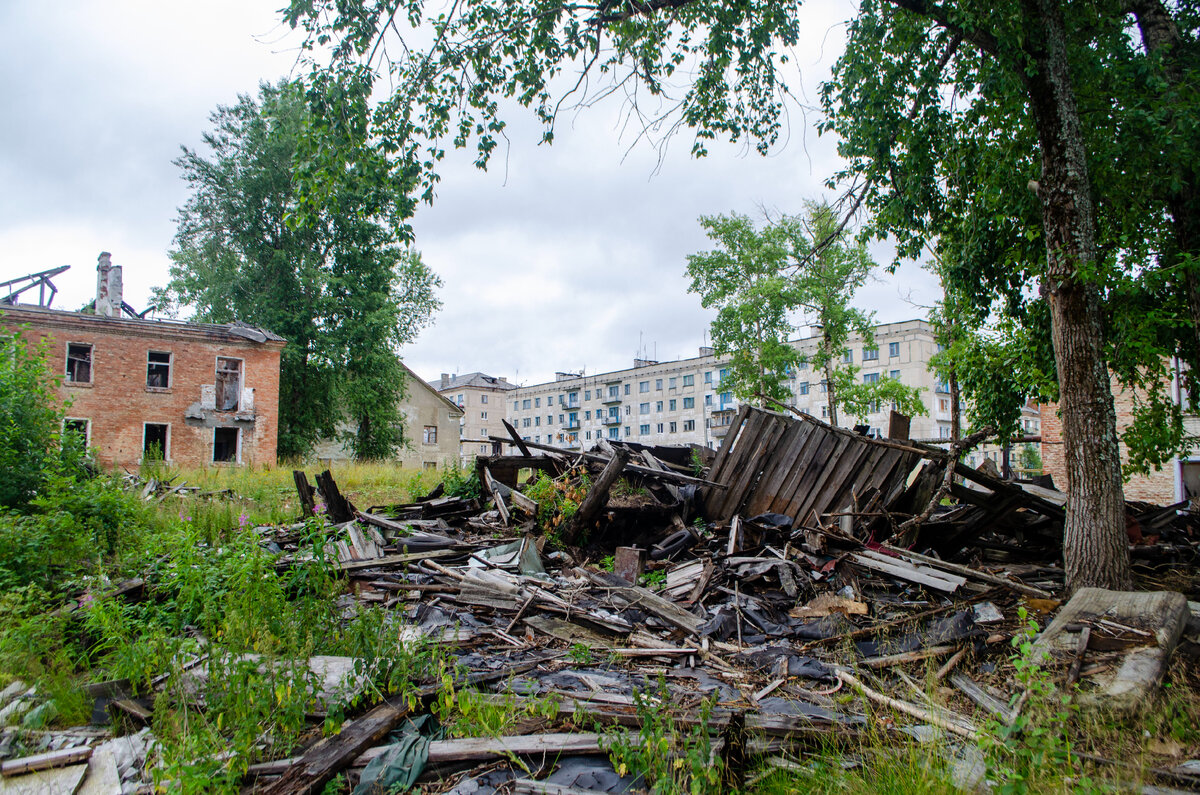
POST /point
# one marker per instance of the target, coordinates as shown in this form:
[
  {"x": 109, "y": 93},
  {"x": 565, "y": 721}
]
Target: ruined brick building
[{"x": 194, "y": 393}]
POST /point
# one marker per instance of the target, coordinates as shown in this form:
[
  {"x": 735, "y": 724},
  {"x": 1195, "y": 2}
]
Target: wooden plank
[
  {"x": 391, "y": 560},
  {"x": 804, "y": 476},
  {"x": 888, "y": 660},
  {"x": 516, "y": 438},
  {"x": 31, "y": 764},
  {"x": 735, "y": 429},
  {"x": 787, "y": 485},
  {"x": 58, "y": 781},
  {"x": 835, "y": 476},
  {"x": 777, "y": 467},
  {"x": 648, "y": 601},
  {"x": 757, "y": 454},
  {"x": 907, "y": 571},
  {"x": 728, "y": 457}
]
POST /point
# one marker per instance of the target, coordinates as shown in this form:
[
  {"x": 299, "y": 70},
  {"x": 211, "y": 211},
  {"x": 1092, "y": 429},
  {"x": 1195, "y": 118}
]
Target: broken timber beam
[
  {"x": 516, "y": 439},
  {"x": 597, "y": 496},
  {"x": 662, "y": 474}
]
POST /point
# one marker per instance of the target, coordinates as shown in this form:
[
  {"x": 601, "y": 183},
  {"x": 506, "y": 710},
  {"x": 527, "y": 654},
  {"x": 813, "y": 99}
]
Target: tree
[
  {"x": 32, "y": 440},
  {"x": 334, "y": 278},
  {"x": 931, "y": 99},
  {"x": 744, "y": 279}
]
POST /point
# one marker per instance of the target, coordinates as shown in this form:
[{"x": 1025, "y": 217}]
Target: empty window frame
[
  {"x": 226, "y": 442},
  {"x": 429, "y": 434},
  {"x": 228, "y": 383},
  {"x": 82, "y": 428},
  {"x": 79, "y": 363},
  {"x": 156, "y": 440},
  {"x": 158, "y": 370}
]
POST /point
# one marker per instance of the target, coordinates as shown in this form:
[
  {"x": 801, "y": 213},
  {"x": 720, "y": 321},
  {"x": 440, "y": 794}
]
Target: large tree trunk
[
  {"x": 1095, "y": 549},
  {"x": 830, "y": 388}
]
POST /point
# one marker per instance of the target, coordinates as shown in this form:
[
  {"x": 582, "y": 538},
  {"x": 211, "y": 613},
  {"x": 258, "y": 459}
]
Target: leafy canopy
[{"x": 335, "y": 279}]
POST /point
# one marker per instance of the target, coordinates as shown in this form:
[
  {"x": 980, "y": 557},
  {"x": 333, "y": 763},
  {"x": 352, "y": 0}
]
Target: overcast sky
[{"x": 568, "y": 257}]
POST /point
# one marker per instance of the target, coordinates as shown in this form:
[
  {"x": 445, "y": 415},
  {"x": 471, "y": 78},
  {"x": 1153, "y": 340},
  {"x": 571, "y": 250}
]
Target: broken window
[
  {"x": 229, "y": 384},
  {"x": 158, "y": 370},
  {"x": 429, "y": 435},
  {"x": 225, "y": 444},
  {"x": 154, "y": 441},
  {"x": 79, "y": 363},
  {"x": 78, "y": 427}
]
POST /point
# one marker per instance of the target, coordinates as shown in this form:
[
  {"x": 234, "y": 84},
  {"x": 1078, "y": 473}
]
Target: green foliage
[
  {"x": 1033, "y": 751},
  {"x": 581, "y": 654},
  {"x": 654, "y": 579},
  {"x": 558, "y": 499},
  {"x": 1029, "y": 460},
  {"x": 469, "y": 713},
  {"x": 31, "y": 440},
  {"x": 460, "y": 482},
  {"x": 333, "y": 279},
  {"x": 744, "y": 280},
  {"x": 672, "y": 758}
]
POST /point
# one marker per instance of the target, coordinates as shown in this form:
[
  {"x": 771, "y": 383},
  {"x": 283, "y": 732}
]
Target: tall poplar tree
[{"x": 334, "y": 278}]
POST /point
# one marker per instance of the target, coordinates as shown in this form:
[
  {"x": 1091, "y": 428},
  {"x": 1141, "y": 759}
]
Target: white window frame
[
  {"x": 170, "y": 370},
  {"x": 166, "y": 453},
  {"x": 87, "y": 428}
]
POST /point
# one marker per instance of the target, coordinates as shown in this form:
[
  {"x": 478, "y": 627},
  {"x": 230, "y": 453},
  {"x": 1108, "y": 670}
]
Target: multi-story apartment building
[
  {"x": 682, "y": 402},
  {"x": 482, "y": 399}
]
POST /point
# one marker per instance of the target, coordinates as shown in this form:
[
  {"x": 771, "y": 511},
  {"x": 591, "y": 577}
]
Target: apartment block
[
  {"x": 682, "y": 402},
  {"x": 482, "y": 400}
]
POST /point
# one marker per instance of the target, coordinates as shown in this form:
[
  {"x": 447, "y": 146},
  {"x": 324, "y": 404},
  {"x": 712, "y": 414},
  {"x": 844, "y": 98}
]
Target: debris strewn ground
[{"x": 807, "y": 588}]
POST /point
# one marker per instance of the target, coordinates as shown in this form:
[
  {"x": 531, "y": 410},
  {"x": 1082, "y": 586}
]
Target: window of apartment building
[
  {"x": 673, "y": 426},
  {"x": 944, "y": 404},
  {"x": 80, "y": 427},
  {"x": 155, "y": 440},
  {"x": 429, "y": 434},
  {"x": 628, "y": 410},
  {"x": 483, "y": 399},
  {"x": 874, "y": 406},
  {"x": 643, "y": 386},
  {"x": 560, "y": 419},
  {"x": 588, "y": 435},
  {"x": 658, "y": 406},
  {"x": 537, "y": 403},
  {"x": 627, "y": 433},
  {"x": 79, "y": 363},
  {"x": 526, "y": 422},
  {"x": 537, "y": 439},
  {"x": 643, "y": 408},
  {"x": 671, "y": 383},
  {"x": 613, "y": 433},
  {"x": 225, "y": 444},
  {"x": 614, "y": 391},
  {"x": 689, "y": 425},
  {"x": 689, "y": 380},
  {"x": 158, "y": 370},
  {"x": 458, "y": 399},
  {"x": 824, "y": 412},
  {"x": 802, "y": 388},
  {"x": 229, "y": 383},
  {"x": 824, "y": 387},
  {"x": 875, "y": 433},
  {"x": 483, "y": 448},
  {"x": 614, "y": 412},
  {"x": 627, "y": 386},
  {"x": 538, "y": 420},
  {"x": 724, "y": 372},
  {"x": 943, "y": 432},
  {"x": 726, "y": 399},
  {"x": 660, "y": 427},
  {"x": 587, "y": 415},
  {"x": 525, "y": 403},
  {"x": 893, "y": 349},
  {"x": 943, "y": 386},
  {"x": 708, "y": 376},
  {"x": 870, "y": 378},
  {"x": 894, "y": 374},
  {"x": 483, "y": 433},
  {"x": 870, "y": 354},
  {"x": 708, "y": 399},
  {"x": 483, "y": 415},
  {"x": 658, "y": 384},
  {"x": 848, "y": 356},
  {"x": 587, "y": 394},
  {"x": 802, "y": 364},
  {"x": 689, "y": 403},
  {"x": 644, "y": 430},
  {"x": 673, "y": 404}
]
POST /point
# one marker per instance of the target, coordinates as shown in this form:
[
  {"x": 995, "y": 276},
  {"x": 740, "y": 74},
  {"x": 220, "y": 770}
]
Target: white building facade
[{"x": 682, "y": 402}]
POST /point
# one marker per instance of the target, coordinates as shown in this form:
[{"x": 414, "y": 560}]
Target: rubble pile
[{"x": 748, "y": 594}]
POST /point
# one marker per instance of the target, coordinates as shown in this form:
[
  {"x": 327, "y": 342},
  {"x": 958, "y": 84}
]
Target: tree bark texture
[
  {"x": 1094, "y": 546},
  {"x": 830, "y": 388}
]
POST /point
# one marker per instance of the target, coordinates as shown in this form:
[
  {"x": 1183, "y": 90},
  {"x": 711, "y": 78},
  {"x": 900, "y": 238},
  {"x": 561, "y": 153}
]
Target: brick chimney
[
  {"x": 109, "y": 290},
  {"x": 445, "y": 381}
]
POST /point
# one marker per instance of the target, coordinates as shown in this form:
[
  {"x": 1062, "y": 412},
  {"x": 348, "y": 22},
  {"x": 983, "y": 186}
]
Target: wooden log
[
  {"x": 516, "y": 438},
  {"x": 596, "y": 498},
  {"x": 889, "y": 660},
  {"x": 662, "y": 474},
  {"x": 958, "y": 726},
  {"x": 337, "y": 507},
  {"x": 308, "y": 501}
]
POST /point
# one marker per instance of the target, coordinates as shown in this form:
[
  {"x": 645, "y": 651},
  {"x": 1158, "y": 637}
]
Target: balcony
[
  {"x": 572, "y": 426},
  {"x": 611, "y": 399},
  {"x": 612, "y": 420}
]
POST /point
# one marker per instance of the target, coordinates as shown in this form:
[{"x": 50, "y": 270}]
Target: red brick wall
[
  {"x": 1158, "y": 487},
  {"x": 118, "y": 402}
]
